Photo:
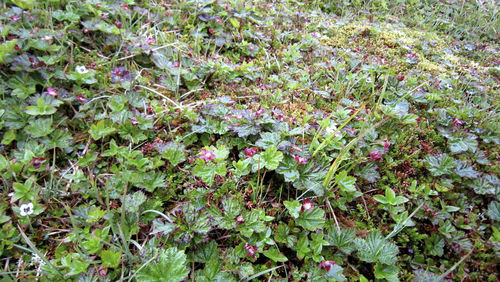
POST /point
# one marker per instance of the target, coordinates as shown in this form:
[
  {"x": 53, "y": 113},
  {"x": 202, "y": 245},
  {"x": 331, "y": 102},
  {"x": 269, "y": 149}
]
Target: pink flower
[
  {"x": 207, "y": 155},
  {"x": 47, "y": 38},
  {"x": 81, "y": 99},
  {"x": 306, "y": 205},
  {"x": 14, "y": 18},
  {"x": 457, "y": 122},
  {"x": 251, "y": 250},
  {"x": 118, "y": 24},
  {"x": 251, "y": 48},
  {"x": 240, "y": 219},
  {"x": 150, "y": 40},
  {"x": 51, "y": 92},
  {"x": 376, "y": 155},
  {"x": 327, "y": 264},
  {"x": 250, "y": 152},
  {"x": 134, "y": 121},
  {"x": 300, "y": 160},
  {"x": 386, "y": 144}
]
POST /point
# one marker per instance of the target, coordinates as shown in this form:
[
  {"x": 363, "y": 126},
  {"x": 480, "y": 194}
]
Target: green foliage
[{"x": 170, "y": 265}]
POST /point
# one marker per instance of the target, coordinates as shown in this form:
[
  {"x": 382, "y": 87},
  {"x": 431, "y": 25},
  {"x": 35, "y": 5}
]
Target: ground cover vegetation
[{"x": 249, "y": 140}]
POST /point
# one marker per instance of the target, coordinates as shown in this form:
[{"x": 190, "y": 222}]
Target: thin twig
[{"x": 333, "y": 213}]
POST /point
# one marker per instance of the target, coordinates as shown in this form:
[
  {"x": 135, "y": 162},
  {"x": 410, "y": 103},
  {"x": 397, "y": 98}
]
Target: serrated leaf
[
  {"x": 101, "y": 129},
  {"x": 465, "y": 170},
  {"x": 494, "y": 210},
  {"x": 268, "y": 139},
  {"x": 311, "y": 220},
  {"x": 269, "y": 159},
  {"x": 383, "y": 271},
  {"x": 95, "y": 215},
  {"x": 39, "y": 127},
  {"x": 173, "y": 152},
  {"x": 110, "y": 258},
  {"x": 376, "y": 248},
  {"x": 134, "y": 201},
  {"x": 293, "y": 208},
  {"x": 170, "y": 266},
  {"x": 275, "y": 255},
  {"x": 440, "y": 164},
  {"x": 288, "y": 168},
  {"x": 345, "y": 182},
  {"x": 207, "y": 171},
  {"x": 336, "y": 272},
  {"x": 343, "y": 239},
  {"x": 459, "y": 145},
  {"x": 206, "y": 252},
  {"x": 41, "y": 108}
]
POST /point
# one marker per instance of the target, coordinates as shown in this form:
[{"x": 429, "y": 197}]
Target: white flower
[
  {"x": 81, "y": 69},
  {"x": 26, "y": 209}
]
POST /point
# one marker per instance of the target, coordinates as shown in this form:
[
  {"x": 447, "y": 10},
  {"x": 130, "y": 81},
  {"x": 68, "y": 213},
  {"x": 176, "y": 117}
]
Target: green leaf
[
  {"x": 101, "y": 129},
  {"x": 41, "y": 108},
  {"x": 207, "y": 171},
  {"x": 170, "y": 266},
  {"x": 5, "y": 48},
  {"x": 434, "y": 245},
  {"x": 275, "y": 255},
  {"x": 439, "y": 165},
  {"x": 234, "y": 22},
  {"x": 24, "y": 4},
  {"x": 95, "y": 215},
  {"x": 268, "y": 139},
  {"x": 376, "y": 248},
  {"x": 494, "y": 210},
  {"x": 312, "y": 220},
  {"x": 173, "y": 152},
  {"x": 343, "y": 239},
  {"x": 293, "y": 208},
  {"x": 134, "y": 201},
  {"x": 336, "y": 272},
  {"x": 288, "y": 168},
  {"x": 346, "y": 183},
  {"x": 39, "y": 127},
  {"x": 110, "y": 258},
  {"x": 206, "y": 252},
  {"x": 383, "y": 271},
  {"x": 269, "y": 159},
  {"x": 465, "y": 170},
  {"x": 303, "y": 246},
  {"x": 459, "y": 145}
]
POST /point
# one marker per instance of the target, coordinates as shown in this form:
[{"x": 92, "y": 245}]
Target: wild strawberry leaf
[
  {"x": 375, "y": 248},
  {"x": 169, "y": 266},
  {"x": 274, "y": 254},
  {"x": 269, "y": 159},
  {"x": 440, "y": 164},
  {"x": 311, "y": 220}
]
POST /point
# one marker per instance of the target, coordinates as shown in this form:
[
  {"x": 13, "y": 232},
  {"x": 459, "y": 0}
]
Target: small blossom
[
  {"x": 300, "y": 159},
  {"x": 306, "y": 205},
  {"x": 81, "y": 69},
  {"x": 376, "y": 155},
  {"x": 457, "y": 122},
  {"x": 250, "y": 152},
  {"x": 211, "y": 31},
  {"x": 176, "y": 64},
  {"x": 26, "y": 209},
  {"x": 400, "y": 77},
  {"x": 14, "y": 18},
  {"x": 207, "y": 155},
  {"x": 386, "y": 144},
  {"x": 251, "y": 250},
  {"x": 47, "y": 38},
  {"x": 327, "y": 264},
  {"x": 134, "y": 121},
  {"x": 51, "y": 92},
  {"x": 37, "y": 162},
  {"x": 251, "y": 48},
  {"x": 81, "y": 99},
  {"x": 150, "y": 40},
  {"x": 118, "y": 24},
  {"x": 240, "y": 219}
]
